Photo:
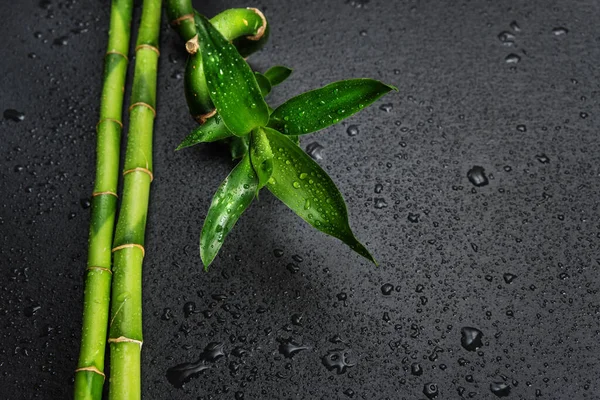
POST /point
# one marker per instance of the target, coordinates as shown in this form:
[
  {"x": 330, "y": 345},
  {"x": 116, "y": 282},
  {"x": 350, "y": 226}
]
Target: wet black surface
[{"x": 510, "y": 89}]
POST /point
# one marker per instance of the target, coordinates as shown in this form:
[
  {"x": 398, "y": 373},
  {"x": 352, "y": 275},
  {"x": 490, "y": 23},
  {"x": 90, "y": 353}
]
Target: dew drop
[
  {"x": 386, "y": 289},
  {"x": 477, "y": 176},
  {"x": 388, "y": 107},
  {"x": 414, "y": 218},
  {"x": 512, "y": 58},
  {"x": 500, "y": 389},
  {"x": 189, "y": 308},
  {"x": 560, "y": 31},
  {"x": 61, "y": 41},
  {"x": 337, "y": 359},
  {"x": 471, "y": 338},
  {"x": 352, "y": 130},
  {"x": 508, "y": 278},
  {"x": 183, "y": 373},
  {"x": 14, "y": 115},
  {"x": 542, "y": 158},
  {"x": 430, "y": 390},
  {"x": 507, "y": 38},
  {"x": 416, "y": 369},
  {"x": 380, "y": 203},
  {"x": 289, "y": 348},
  {"x": 314, "y": 150}
]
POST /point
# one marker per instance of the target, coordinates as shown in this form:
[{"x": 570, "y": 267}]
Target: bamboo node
[
  {"x": 179, "y": 20},
  {"x": 118, "y": 53},
  {"x": 263, "y": 27},
  {"x": 111, "y": 120},
  {"x": 123, "y": 339},
  {"x": 96, "y": 268},
  {"x": 91, "y": 369},
  {"x": 142, "y": 104},
  {"x": 140, "y": 169},
  {"x": 103, "y": 193},
  {"x": 201, "y": 119},
  {"x": 149, "y": 47},
  {"x": 192, "y": 46},
  {"x": 130, "y": 245}
]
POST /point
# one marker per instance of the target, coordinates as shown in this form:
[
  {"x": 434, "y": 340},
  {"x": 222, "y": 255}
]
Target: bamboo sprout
[
  {"x": 125, "y": 336},
  {"x": 89, "y": 375}
]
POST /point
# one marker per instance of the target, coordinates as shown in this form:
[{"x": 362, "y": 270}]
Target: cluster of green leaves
[{"x": 266, "y": 140}]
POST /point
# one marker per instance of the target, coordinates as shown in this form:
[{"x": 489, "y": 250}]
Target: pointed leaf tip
[
  {"x": 229, "y": 202},
  {"x": 277, "y": 74},
  {"x": 212, "y": 130},
  {"x": 300, "y": 183}
]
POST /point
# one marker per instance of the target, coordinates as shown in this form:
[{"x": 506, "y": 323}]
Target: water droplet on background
[
  {"x": 386, "y": 289},
  {"x": 352, "y": 130},
  {"x": 512, "y": 58},
  {"x": 388, "y": 107},
  {"x": 183, "y": 373},
  {"x": 477, "y": 176},
  {"x": 315, "y": 150},
  {"x": 380, "y": 203},
  {"x": 430, "y": 390},
  {"x": 337, "y": 359},
  {"x": 471, "y": 338},
  {"x": 508, "y": 278},
  {"x": 289, "y": 348},
  {"x": 560, "y": 31},
  {"x": 14, "y": 115},
  {"x": 507, "y": 38},
  {"x": 416, "y": 369},
  {"x": 542, "y": 158},
  {"x": 500, "y": 389}
]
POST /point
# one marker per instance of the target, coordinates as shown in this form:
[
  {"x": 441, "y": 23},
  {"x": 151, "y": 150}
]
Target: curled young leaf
[
  {"x": 277, "y": 74},
  {"x": 320, "y": 108},
  {"x": 210, "y": 131},
  {"x": 300, "y": 183},
  {"x": 261, "y": 156},
  {"x": 228, "y": 75},
  {"x": 263, "y": 83},
  {"x": 231, "y": 199}
]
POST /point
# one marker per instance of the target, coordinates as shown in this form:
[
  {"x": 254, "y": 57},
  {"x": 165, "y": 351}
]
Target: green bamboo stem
[
  {"x": 181, "y": 17},
  {"x": 125, "y": 335},
  {"x": 89, "y": 375}
]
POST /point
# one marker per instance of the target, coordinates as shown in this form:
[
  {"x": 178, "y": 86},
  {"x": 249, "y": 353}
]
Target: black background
[{"x": 459, "y": 105}]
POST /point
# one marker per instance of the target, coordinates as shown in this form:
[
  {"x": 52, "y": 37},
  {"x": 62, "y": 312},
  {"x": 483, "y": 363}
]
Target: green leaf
[
  {"x": 263, "y": 83},
  {"x": 231, "y": 199},
  {"x": 231, "y": 83},
  {"x": 238, "y": 146},
  {"x": 212, "y": 130},
  {"x": 320, "y": 108},
  {"x": 278, "y": 74},
  {"x": 261, "y": 156},
  {"x": 301, "y": 184}
]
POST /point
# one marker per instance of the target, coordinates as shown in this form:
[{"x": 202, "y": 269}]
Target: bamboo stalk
[
  {"x": 89, "y": 375},
  {"x": 125, "y": 336}
]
